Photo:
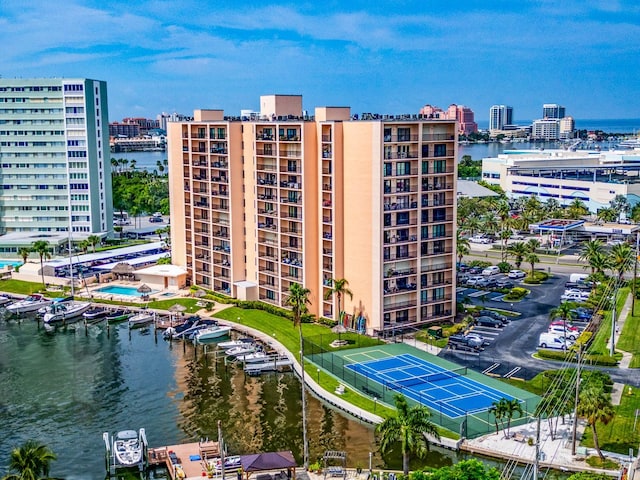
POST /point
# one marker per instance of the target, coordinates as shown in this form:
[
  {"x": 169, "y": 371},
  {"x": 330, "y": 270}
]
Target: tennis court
[
  {"x": 459, "y": 399},
  {"x": 447, "y": 391}
]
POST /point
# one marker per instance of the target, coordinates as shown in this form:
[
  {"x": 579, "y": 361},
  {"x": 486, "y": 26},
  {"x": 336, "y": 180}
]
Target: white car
[
  {"x": 480, "y": 239},
  {"x": 559, "y": 330},
  {"x": 516, "y": 274},
  {"x": 575, "y": 296}
]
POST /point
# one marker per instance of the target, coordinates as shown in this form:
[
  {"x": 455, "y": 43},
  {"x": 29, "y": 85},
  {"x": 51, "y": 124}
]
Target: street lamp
[
  {"x": 512, "y": 307},
  {"x": 375, "y": 404},
  {"x": 318, "y": 370}
]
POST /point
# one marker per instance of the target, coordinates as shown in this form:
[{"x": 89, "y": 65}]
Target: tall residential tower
[
  {"x": 259, "y": 204},
  {"x": 54, "y": 152},
  {"x": 499, "y": 116}
]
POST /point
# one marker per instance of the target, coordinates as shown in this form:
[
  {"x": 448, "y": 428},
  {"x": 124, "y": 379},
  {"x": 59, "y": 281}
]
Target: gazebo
[
  {"x": 283, "y": 462},
  {"x": 123, "y": 269}
]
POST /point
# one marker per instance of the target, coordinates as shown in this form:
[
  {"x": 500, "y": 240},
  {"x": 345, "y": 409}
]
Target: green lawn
[
  {"x": 20, "y": 287},
  {"x": 619, "y": 436},
  {"x": 599, "y": 344},
  {"x": 630, "y": 337}
]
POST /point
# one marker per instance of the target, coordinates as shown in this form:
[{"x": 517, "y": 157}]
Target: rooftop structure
[{"x": 260, "y": 204}]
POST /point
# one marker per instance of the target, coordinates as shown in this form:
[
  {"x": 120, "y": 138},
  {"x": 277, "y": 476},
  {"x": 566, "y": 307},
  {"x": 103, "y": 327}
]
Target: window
[
  {"x": 440, "y": 166},
  {"x": 403, "y": 168},
  {"x": 425, "y": 167},
  {"x": 404, "y": 134},
  {"x": 439, "y": 231},
  {"x": 387, "y": 169},
  {"x": 440, "y": 150},
  {"x": 425, "y": 152},
  {"x": 402, "y": 218}
]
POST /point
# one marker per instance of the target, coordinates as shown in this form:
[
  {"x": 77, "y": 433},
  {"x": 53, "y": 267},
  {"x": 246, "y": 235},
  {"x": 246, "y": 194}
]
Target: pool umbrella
[
  {"x": 144, "y": 288},
  {"x": 200, "y": 293},
  {"x": 339, "y": 329},
  {"x": 177, "y": 308}
]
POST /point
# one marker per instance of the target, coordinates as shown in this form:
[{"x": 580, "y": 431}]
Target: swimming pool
[
  {"x": 6, "y": 263},
  {"x": 120, "y": 290}
]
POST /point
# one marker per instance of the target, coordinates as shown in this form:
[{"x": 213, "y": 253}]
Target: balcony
[
  {"x": 433, "y": 137},
  {"x": 400, "y": 155},
  {"x": 264, "y": 136},
  {"x": 437, "y": 186},
  {"x": 436, "y": 267},
  {"x": 400, "y": 206},
  {"x": 266, "y": 167},
  {"x": 402, "y": 256},
  {"x": 430, "y": 301},
  {"x": 404, "y": 173},
  {"x": 400, "y": 305},
  {"x": 401, "y": 138}
]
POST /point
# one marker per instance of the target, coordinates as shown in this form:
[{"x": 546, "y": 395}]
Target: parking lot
[{"x": 508, "y": 350}]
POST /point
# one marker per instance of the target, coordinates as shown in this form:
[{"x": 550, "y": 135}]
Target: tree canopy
[{"x": 139, "y": 191}]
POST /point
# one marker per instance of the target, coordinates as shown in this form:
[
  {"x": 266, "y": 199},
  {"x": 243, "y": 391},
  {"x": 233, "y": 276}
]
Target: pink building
[{"x": 464, "y": 116}]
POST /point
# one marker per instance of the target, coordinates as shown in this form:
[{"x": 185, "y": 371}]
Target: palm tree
[
  {"x": 621, "y": 258},
  {"x": 41, "y": 247},
  {"x": 462, "y": 245},
  {"x": 600, "y": 262},
  {"x": 24, "y": 252},
  {"x": 93, "y": 240},
  {"x": 338, "y": 287},
  {"x": 409, "y": 427},
  {"x": 532, "y": 259},
  {"x": 298, "y": 300},
  {"x": 607, "y": 214},
  {"x": 512, "y": 407},
  {"x": 590, "y": 250},
  {"x": 84, "y": 246},
  {"x": 620, "y": 204},
  {"x": 31, "y": 461},
  {"x": 497, "y": 409},
  {"x": 595, "y": 406},
  {"x": 518, "y": 250},
  {"x": 565, "y": 311},
  {"x": 576, "y": 209}
]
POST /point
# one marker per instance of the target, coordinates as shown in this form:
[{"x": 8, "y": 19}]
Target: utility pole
[
  {"x": 612, "y": 349},
  {"x": 635, "y": 274},
  {"x": 305, "y": 445},
  {"x": 221, "y": 447},
  {"x": 536, "y": 463},
  {"x": 575, "y": 403}
]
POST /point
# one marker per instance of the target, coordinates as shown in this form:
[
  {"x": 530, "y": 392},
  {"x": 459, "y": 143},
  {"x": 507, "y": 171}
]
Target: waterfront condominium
[
  {"x": 499, "y": 116},
  {"x": 54, "y": 152},
  {"x": 261, "y": 202}
]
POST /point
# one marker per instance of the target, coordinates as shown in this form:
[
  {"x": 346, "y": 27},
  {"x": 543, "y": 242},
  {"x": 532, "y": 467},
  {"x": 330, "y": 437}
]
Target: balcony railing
[
  {"x": 400, "y": 155},
  {"x": 432, "y": 137},
  {"x": 401, "y": 138},
  {"x": 433, "y": 268},
  {"x": 430, "y": 301},
  {"x": 400, "y": 305},
  {"x": 391, "y": 272},
  {"x": 400, "y": 206}
]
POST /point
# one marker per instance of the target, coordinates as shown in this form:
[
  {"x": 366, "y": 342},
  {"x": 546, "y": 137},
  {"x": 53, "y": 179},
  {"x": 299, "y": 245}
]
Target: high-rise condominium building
[
  {"x": 499, "y": 116},
  {"x": 546, "y": 129},
  {"x": 464, "y": 116},
  {"x": 54, "y": 147},
  {"x": 259, "y": 204},
  {"x": 553, "y": 110}
]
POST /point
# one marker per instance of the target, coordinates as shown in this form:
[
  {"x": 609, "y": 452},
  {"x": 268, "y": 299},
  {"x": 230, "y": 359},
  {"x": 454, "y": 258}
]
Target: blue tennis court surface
[{"x": 442, "y": 390}]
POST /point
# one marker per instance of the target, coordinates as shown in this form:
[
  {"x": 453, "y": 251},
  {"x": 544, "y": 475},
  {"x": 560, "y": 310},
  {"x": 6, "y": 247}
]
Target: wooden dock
[{"x": 184, "y": 461}]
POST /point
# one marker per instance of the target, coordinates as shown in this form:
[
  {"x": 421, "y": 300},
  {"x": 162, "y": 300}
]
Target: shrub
[
  {"x": 538, "y": 277},
  {"x": 480, "y": 263},
  {"x": 516, "y": 293},
  {"x": 606, "y": 464},
  {"x": 504, "y": 267}
]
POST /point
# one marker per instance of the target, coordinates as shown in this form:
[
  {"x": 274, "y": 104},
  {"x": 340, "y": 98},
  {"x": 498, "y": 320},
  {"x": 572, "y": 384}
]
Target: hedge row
[{"x": 603, "y": 360}]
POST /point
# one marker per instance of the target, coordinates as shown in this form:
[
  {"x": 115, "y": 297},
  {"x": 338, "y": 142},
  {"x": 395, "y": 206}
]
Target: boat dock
[
  {"x": 185, "y": 461},
  {"x": 275, "y": 364}
]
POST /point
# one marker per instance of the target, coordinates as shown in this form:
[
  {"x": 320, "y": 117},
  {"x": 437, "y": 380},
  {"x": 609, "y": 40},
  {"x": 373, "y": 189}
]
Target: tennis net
[{"x": 431, "y": 377}]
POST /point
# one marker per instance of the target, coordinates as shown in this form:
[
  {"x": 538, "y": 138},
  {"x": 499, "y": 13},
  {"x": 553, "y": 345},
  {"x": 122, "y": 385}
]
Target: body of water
[{"x": 66, "y": 388}]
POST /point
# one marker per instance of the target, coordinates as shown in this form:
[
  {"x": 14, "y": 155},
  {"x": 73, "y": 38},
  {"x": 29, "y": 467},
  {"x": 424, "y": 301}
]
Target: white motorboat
[
  {"x": 4, "y": 300},
  {"x": 30, "y": 304},
  {"x": 143, "y": 317},
  {"x": 65, "y": 311},
  {"x": 241, "y": 350},
  {"x": 126, "y": 449},
  {"x": 254, "y": 357},
  {"x": 211, "y": 333},
  {"x": 236, "y": 343}
]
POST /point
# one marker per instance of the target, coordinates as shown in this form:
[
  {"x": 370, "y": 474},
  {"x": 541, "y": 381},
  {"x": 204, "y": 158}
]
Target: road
[{"x": 511, "y": 349}]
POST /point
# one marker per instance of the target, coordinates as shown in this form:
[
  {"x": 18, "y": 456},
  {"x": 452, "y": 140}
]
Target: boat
[
  {"x": 119, "y": 315},
  {"x": 95, "y": 314},
  {"x": 4, "y": 300},
  {"x": 65, "y": 311},
  {"x": 143, "y": 317},
  {"x": 126, "y": 449},
  {"x": 30, "y": 304},
  {"x": 211, "y": 333},
  {"x": 241, "y": 350},
  {"x": 236, "y": 343},
  {"x": 190, "y": 328},
  {"x": 255, "y": 357},
  {"x": 230, "y": 463}
]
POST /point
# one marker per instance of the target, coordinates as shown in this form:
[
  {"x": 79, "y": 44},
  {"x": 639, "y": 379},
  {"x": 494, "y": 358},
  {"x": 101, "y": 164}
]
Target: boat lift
[{"x": 111, "y": 463}]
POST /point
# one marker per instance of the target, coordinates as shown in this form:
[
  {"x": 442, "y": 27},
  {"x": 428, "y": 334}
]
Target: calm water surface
[{"x": 66, "y": 388}]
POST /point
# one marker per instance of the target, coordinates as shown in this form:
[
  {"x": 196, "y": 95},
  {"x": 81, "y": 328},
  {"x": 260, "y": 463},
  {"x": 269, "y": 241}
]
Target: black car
[
  {"x": 495, "y": 315},
  {"x": 155, "y": 219},
  {"x": 485, "y": 321}
]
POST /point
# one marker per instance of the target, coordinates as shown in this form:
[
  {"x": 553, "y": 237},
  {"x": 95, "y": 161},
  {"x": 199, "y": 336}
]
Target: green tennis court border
[{"x": 468, "y": 426}]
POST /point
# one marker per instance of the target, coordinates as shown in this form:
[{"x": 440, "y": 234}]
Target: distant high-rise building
[
  {"x": 546, "y": 129},
  {"x": 567, "y": 127},
  {"x": 54, "y": 148},
  {"x": 464, "y": 116},
  {"x": 552, "y": 110},
  {"x": 499, "y": 116},
  {"x": 277, "y": 198}
]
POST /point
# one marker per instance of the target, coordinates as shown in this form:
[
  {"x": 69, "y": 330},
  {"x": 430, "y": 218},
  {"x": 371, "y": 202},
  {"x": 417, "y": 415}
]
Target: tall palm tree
[
  {"x": 41, "y": 247},
  {"x": 31, "y": 461},
  {"x": 518, "y": 250},
  {"x": 24, "y": 252},
  {"x": 338, "y": 287},
  {"x": 409, "y": 427},
  {"x": 576, "y": 209},
  {"x": 590, "y": 250},
  {"x": 497, "y": 409},
  {"x": 621, "y": 258},
  {"x": 531, "y": 258},
  {"x": 512, "y": 407},
  {"x": 595, "y": 406},
  {"x": 607, "y": 214},
  {"x": 600, "y": 262},
  {"x": 462, "y": 246},
  {"x": 298, "y": 300},
  {"x": 93, "y": 240}
]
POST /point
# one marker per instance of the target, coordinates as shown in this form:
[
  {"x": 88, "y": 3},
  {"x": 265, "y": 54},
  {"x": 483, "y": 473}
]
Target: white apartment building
[{"x": 545, "y": 129}]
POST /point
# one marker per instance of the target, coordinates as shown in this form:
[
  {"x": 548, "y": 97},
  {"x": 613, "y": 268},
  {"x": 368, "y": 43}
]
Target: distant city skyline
[{"x": 384, "y": 57}]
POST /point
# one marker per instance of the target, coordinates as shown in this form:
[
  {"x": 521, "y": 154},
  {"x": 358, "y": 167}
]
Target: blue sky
[{"x": 376, "y": 56}]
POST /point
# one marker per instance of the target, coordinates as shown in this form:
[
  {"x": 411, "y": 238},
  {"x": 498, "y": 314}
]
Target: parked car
[
  {"x": 492, "y": 270},
  {"x": 472, "y": 281},
  {"x": 486, "y": 282},
  {"x": 494, "y": 314},
  {"x": 480, "y": 239},
  {"x": 547, "y": 340},
  {"x": 486, "y": 321},
  {"x": 516, "y": 274},
  {"x": 504, "y": 283},
  {"x": 567, "y": 332},
  {"x": 574, "y": 296},
  {"x": 155, "y": 219},
  {"x": 478, "y": 338},
  {"x": 462, "y": 278},
  {"x": 583, "y": 313},
  {"x": 463, "y": 342},
  {"x": 568, "y": 325}
]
